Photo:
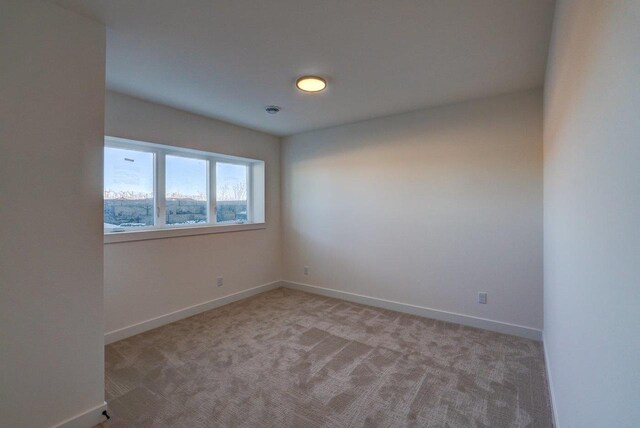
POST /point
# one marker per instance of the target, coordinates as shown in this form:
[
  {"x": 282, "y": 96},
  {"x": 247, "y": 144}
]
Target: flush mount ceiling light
[{"x": 311, "y": 84}]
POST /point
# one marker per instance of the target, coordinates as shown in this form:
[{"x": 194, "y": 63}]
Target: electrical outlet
[
  {"x": 220, "y": 281},
  {"x": 306, "y": 270},
  {"x": 482, "y": 298}
]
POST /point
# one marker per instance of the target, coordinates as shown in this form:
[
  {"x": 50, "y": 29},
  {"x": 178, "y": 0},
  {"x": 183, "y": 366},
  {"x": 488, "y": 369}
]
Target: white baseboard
[
  {"x": 88, "y": 419},
  {"x": 132, "y": 330},
  {"x": 547, "y": 367},
  {"x": 485, "y": 324}
]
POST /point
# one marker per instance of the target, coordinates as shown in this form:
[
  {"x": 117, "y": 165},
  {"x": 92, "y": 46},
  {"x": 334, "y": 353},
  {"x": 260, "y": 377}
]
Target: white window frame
[{"x": 255, "y": 173}]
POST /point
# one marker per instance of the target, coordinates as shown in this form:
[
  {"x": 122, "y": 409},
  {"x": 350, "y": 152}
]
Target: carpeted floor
[{"x": 286, "y": 358}]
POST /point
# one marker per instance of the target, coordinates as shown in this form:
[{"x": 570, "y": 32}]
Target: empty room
[{"x": 334, "y": 213}]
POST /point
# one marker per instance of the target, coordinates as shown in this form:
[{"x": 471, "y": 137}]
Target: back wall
[{"x": 425, "y": 208}]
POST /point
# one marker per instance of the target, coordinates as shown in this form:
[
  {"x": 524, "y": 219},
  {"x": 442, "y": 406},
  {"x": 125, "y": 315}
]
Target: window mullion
[
  {"x": 249, "y": 195},
  {"x": 160, "y": 197},
  {"x": 213, "y": 206}
]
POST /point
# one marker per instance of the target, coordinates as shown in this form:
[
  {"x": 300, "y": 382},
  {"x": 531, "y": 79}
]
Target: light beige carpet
[{"x": 291, "y": 359}]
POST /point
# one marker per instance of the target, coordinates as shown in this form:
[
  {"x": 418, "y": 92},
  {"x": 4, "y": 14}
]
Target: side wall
[
  {"x": 149, "y": 279},
  {"x": 592, "y": 213},
  {"x": 51, "y": 290},
  {"x": 425, "y": 208}
]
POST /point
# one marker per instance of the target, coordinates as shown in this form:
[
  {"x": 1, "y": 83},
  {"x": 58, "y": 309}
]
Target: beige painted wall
[
  {"x": 147, "y": 279},
  {"x": 592, "y": 213},
  {"x": 51, "y": 298},
  {"x": 426, "y": 208}
]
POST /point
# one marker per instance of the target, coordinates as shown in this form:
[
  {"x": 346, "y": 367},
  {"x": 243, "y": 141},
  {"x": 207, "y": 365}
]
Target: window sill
[{"x": 144, "y": 235}]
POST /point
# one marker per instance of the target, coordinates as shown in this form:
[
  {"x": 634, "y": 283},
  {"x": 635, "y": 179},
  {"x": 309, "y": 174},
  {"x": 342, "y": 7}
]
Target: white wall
[
  {"x": 51, "y": 299},
  {"x": 148, "y": 279},
  {"x": 592, "y": 213},
  {"x": 426, "y": 208}
]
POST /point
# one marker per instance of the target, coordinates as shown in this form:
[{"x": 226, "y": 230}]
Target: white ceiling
[{"x": 229, "y": 59}]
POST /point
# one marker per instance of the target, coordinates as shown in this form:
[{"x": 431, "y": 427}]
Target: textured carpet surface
[{"x": 286, "y": 358}]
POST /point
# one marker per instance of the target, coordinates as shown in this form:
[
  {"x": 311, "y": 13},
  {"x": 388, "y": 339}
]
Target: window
[
  {"x": 151, "y": 187},
  {"x": 186, "y": 190},
  {"x": 128, "y": 188},
  {"x": 231, "y": 192}
]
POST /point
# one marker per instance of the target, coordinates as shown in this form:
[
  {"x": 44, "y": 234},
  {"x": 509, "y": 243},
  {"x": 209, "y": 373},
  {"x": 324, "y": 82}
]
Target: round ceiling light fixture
[{"x": 311, "y": 84}]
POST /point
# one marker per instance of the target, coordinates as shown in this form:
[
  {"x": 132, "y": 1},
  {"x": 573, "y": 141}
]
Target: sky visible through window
[
  {"x": 186, "y": 178},
  {"x": 129, "y": 174},
  {"x": 231, "y": 182}
]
